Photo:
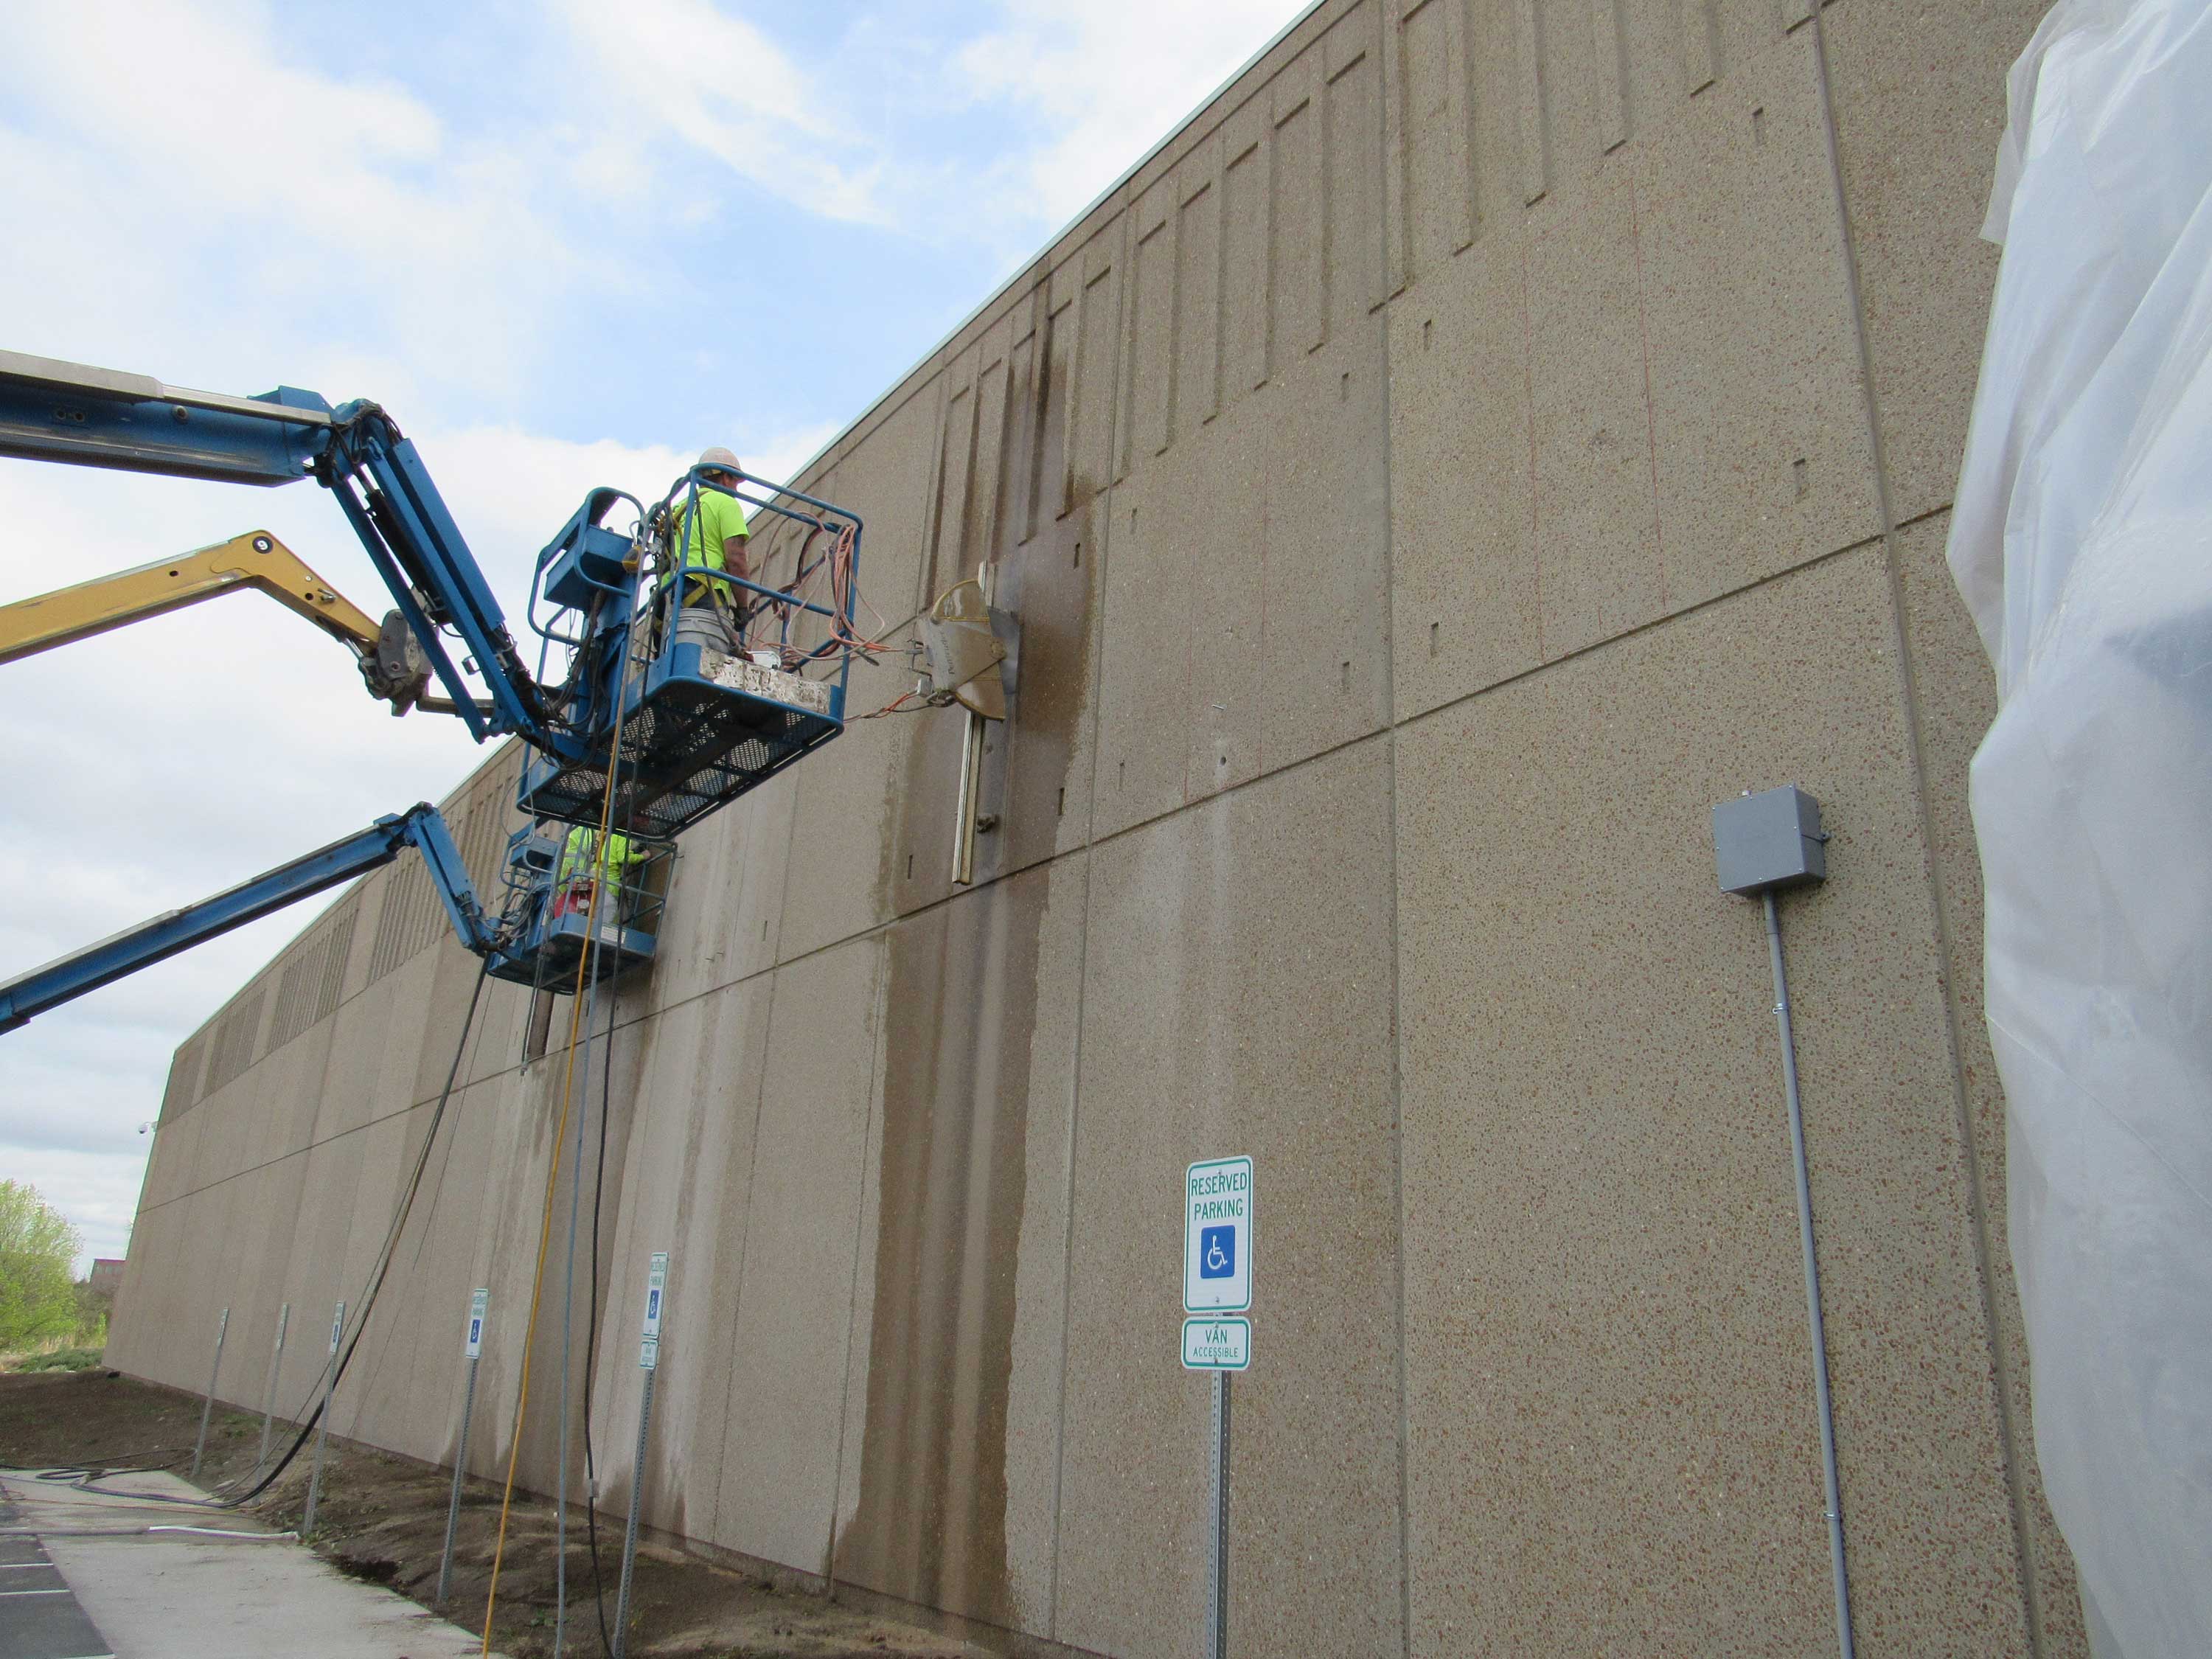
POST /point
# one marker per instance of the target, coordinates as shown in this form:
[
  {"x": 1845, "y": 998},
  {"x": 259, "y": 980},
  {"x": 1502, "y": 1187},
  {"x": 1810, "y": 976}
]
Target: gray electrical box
[{"x": 1770, "y": 839}]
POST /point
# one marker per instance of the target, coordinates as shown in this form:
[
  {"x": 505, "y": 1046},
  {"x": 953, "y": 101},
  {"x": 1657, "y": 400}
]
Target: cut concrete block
[
  {"x": 1467, "y": 569},
  {"x": 1325, "y": 602},
  {"x": 1761, "y": 455},
  {"x": 1597, "y": 515}
]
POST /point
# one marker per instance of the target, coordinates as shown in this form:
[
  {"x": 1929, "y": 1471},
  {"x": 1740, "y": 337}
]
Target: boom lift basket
[
  {"x": 547, "y": 921},
  {"x": 722, "y": 679}
]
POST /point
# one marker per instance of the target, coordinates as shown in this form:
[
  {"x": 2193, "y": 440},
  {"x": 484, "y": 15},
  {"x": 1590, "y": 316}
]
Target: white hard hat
[{"x": 720, "y": 457}]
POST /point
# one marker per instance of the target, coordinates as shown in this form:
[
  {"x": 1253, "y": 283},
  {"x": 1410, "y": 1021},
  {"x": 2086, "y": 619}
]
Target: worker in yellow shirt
[
  {"x": 716, "y": 537},
  {"x": 578, "y": 872}
]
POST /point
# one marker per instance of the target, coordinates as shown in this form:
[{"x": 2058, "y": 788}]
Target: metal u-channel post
[
  {"x": 268, "y": 1392},
  {"x": 460, "y": 1468},
  {"x": 323, "y": 1420},
  {"x": 215, "y": 1371},
  {"x": 648, "y": 1360},
  {"x": 629, "y": 1527},
  {"x": 1217, "y": 1555},
  {"x": 1821, "y": 1398}
]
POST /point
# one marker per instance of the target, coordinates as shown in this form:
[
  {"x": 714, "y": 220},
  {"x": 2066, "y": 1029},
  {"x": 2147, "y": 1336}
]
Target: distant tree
[
  {"x": 93, "y": 1308},
  {"x": 37, "y": 1247}
]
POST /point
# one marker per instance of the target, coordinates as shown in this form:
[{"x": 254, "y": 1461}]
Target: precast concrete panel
[
  {"x": 683, "y": 1190},
  {"x": 1325, "y": 597},
  {"x": 1611, "y": 1435},
  {"x": 1597, "y": 514},
  {"x": 266, "y": 1224},
  {"x": 435, "y": 1272},
  {"x": 846, "y": 816},
  {"x": 1145, "y": 646},
  {"x": 725, "y": 898},
  {"x": 168, "y": 1174},
  {"x": 360, "y": 1032},
  {"x": 1466, "y": 563},
  {"x": 1220, "y": 594},
  {"x": 1918, "y": 100},
  {"x": 1758, "y": 411},
  {"x": 1042, "y": 796},
  {"x": 371, "y": 1402},
  {"x": 297, "y": 1075},
  {"x": 1236, "y": 1001},
  {"x": 788, "y": 1372},
  {"x": 936, "y": 1517}
]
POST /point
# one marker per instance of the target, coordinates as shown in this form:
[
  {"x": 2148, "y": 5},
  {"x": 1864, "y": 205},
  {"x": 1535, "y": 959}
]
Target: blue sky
[{"x": 566, "y": 243}]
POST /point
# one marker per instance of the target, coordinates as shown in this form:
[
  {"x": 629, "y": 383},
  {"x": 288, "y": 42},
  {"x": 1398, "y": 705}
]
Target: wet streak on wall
[{"x": 960, "y": 1009}]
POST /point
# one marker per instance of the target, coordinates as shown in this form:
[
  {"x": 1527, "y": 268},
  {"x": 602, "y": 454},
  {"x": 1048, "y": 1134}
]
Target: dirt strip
[{"x": 383, "y": 1519}]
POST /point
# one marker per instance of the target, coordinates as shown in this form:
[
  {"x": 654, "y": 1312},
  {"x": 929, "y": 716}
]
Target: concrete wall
[{"x": 1489, "y": 434}]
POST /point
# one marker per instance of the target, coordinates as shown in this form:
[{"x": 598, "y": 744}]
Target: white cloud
[
  {"x": 716, "y": 83},
  {"x": 223, "y": 201},
  {"x": 1106, "y": 80}
]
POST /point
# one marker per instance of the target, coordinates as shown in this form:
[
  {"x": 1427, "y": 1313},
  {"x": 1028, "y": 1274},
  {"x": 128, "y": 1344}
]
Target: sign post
[
  {"x": 478, "y": 1302},
  {"x": 269, "y": 1394},
  {"x": 199, "y": 1446},
  {"x": 323, "y": 1419},
  {"x": 1217, "y": 1279},
  {"x": 648, "y": 1360}
]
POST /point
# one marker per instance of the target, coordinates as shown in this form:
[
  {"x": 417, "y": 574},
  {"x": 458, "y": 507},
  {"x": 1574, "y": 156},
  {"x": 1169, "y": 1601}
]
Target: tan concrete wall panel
[
  {"x": 1614, "y": 1383},
  {"x": 684, "y": 1190},
  {"x": 1324, "y": 600},
  {"x": 1758, "y": 413},
  {"x": 787, "y": 1374},
  {"x": 936, "y": 1510},
  {"x": 1234, "y": 955},
  {"x": 1465, "y": 557},
  {"x": 1919, "y": 104},
  {"x": 1597, "y": 519}
]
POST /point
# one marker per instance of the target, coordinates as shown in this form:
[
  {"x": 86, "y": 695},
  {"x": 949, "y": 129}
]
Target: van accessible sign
[
  {"x": 1216, "y": 1244},
  {"x": 1217, "y": 1345}
]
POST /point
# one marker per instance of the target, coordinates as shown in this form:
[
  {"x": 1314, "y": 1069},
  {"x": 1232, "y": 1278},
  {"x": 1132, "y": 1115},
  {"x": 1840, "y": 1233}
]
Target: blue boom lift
[{"x": 648, "y": 710}]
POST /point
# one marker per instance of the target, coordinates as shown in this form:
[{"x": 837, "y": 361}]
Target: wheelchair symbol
[{"x": 1217, "y": 1252}]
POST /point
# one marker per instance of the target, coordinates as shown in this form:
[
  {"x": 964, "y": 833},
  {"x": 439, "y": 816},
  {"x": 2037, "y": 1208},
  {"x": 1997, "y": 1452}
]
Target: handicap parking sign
[
  {"x": 1217, "y": 1248},
  {"x": 1217, "y": 1252}
]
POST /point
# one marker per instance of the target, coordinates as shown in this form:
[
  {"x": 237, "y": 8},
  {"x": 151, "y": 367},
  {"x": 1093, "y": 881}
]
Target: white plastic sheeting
[{"x": 2082, "y": 542}]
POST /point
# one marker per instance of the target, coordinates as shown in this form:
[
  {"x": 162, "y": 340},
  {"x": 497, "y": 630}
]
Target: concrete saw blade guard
[{"x": 965, "y": 656}]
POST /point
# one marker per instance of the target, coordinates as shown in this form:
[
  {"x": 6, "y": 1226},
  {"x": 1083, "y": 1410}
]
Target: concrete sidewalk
[{"x": 140, "y": 1592}]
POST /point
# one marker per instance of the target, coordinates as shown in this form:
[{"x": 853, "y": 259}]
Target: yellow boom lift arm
[{"x": 391, "y": 665}]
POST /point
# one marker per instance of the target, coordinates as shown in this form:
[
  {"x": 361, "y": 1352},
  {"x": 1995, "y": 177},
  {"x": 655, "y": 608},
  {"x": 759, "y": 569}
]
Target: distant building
[{"x": 106, "y": 1275}]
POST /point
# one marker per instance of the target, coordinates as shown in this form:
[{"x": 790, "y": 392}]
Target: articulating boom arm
[
  {"x": 125, "y": 953},
  {"x": 58, "y": 411},
  {"x": 390, "y": 667}
]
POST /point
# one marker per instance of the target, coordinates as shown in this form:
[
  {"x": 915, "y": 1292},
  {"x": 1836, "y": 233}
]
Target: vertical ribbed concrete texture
[{"x": 1487, "y": 434}]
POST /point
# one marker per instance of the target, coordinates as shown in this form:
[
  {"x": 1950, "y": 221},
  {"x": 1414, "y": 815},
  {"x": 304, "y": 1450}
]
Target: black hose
[{"x": 237, "y": 1500}]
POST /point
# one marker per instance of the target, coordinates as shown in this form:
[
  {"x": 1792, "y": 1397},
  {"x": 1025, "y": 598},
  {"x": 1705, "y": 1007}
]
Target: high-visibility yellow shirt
[
  {"x": 719, "y": 518},
  {"x": 576, "y": 861}
]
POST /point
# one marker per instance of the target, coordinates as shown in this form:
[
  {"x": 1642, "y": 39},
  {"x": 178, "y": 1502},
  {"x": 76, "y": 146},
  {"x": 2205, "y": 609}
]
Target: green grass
[{"x": 62, "y": 1359}]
